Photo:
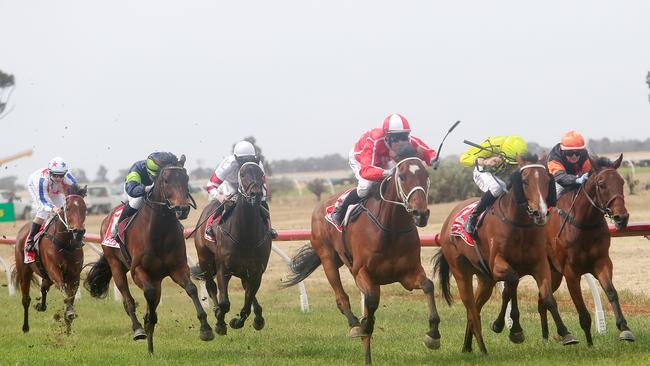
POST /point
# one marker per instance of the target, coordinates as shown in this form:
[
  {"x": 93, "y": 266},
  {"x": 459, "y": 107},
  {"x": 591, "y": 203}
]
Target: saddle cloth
[{"x": 459, "y": 220}]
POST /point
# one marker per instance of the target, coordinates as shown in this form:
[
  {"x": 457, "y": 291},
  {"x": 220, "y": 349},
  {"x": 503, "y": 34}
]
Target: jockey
[
  {"x": 225, "y": 178},
  {"x": 569, "y": 162},
  {"x": 139, "y": 181},
  {"x": 370, "y": 158},
  {"x": 491, "y": 164},
  {"x": 48, "y": 188}
]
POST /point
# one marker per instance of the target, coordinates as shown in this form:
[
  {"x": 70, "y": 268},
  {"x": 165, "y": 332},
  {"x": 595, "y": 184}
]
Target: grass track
[{"x": 101, "y": 334}]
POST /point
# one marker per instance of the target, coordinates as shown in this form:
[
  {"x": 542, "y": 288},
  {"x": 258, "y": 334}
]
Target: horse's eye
[{"x": 525, "y": 182}]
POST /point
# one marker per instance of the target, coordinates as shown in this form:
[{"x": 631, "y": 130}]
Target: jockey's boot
[
  {"x": 217, "y": 212},
  {"x": 274, "y": 233},
  {"x": 30, "y": 246},
  {"x": 339, "y": 212},
  {"x": 127, "y": 212},
  {"x": 487, "y": 199}
]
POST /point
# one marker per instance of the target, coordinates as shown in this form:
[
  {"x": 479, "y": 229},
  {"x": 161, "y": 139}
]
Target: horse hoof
[
  {"x": 517, "y": 337},
  {"x": 626, "y": 335},
  {"x": 139, "y": 334},
  {"x": 206, "y": 335},
  {"x": 221, "y": 329},
  {"x": 25, "y": 329},
  {"x": 40, "y": 307},
  {"x": 235, "y": 323},
  {"x": 569, "y": 339},
  {"x": 70, "y": 315},
  {"x": 258, "y": 324},
  {"x": 356, "y": 332},
  {"x": 431, "y": 343},
  {"x": 495, "y": 328}
]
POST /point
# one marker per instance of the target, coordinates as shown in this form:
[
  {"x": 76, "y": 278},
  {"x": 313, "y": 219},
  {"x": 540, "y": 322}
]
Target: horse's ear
[
  {"x": 618, "y": 162},
  {"x": 83, "y": 191},
  {"x": 542, "y": 160},
  {"x": 594, "y": 163},
  {"x": 520, "y": 161},
  {"x": 181, "y": 161}
]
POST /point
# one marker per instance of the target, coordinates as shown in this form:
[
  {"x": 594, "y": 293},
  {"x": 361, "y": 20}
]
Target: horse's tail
[
  {"x": 197, "y": 273},
  {"x": 302, "y": 265},
  {"x": 14, "y": 275},
  {"x": 98, "y": 278},
  {"x": 441, "y": 269}
]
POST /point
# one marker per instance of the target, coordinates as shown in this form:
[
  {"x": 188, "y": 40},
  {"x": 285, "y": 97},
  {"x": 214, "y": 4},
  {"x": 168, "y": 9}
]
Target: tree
[
  {"x": 80, "y": 175},
  {"x": 258, "y": 150},
  {"x": 317, "y": 187},
  {"x": 121, "y": 176},
  {"x": 7, "y": 83},
  {"x": 8, "y": 183},
  {"x": 101, "y": 175}
]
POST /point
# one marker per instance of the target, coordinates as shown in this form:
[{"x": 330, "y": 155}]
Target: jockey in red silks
[{"x": 370, "y": 158}]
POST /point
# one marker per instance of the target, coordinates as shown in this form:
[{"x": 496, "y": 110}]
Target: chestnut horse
[
  {"x": 510, "y": 245},
  {"x": 581, "y": 245},
  {"x": 382, "y": 246},
  {"x": 156, "y": 246},
  {"x": 242, "y": 248},
  {"x": 60, "y": 254}
]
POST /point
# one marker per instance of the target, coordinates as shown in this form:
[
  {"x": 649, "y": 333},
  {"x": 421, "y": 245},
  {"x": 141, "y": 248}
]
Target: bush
[
  {"x": 452, "y": 182},
  {"x": 280, "y": 186},
  {"x": 317, "y": 187}
]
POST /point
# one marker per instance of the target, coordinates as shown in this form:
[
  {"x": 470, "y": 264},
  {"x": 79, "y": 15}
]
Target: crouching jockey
[
  {"x": 568, "y": 162},
  {"x": 370, "y": 158},
  {"x": 225, "y": 179},
  {"x": 494, "y": 161},
  {"x": 48, "y": 188},
  {"x": 139, "y": 181}
]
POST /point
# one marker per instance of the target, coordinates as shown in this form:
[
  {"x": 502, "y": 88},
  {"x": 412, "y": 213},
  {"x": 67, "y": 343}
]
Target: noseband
[
  {"x": 250, "y": 197},
  {"x": 403, "y": 196},
  {"x": 597, "y": 203}
]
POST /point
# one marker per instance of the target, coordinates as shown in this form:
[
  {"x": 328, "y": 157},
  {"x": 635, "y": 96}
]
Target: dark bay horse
[
  {"x": 242, "y": 249},
  {"x": 581, "y": 245},
  {"x": 61, "y": 255},
  {"x": 383, "y": 245},
  {"x": 510, "y": 245},
  {"x": 156, "y": 246}
]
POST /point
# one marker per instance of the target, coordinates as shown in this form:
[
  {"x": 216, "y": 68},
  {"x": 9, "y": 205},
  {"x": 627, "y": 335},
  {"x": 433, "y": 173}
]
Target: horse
[
  {"x": 61, "y": 257},
  {"x": 582, "y": 246},
  {"x": 242, "y": 248},
  {"x": 156, "y": 247},
  {"x": 510, "y": 245},
  {"x": 381, "y": 247}
]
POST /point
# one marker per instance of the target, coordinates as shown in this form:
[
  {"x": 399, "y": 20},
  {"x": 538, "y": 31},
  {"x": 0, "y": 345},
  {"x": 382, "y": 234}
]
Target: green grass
[{"x": 101, "y": 334}]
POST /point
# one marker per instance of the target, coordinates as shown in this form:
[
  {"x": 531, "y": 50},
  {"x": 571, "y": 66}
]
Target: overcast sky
[{"x": 108, "y": 82}]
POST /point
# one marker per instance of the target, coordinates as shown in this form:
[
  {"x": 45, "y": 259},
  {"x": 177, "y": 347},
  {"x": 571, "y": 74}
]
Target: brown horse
[
  {"x": 382, "y": 246},
  {"x": 242, "y": 249},
  {"x": 581, "y": 245},
  {"x": 510, "y": 245},
  {"x": 156, "y": 246},
  {"x": 60, "y": 254}
]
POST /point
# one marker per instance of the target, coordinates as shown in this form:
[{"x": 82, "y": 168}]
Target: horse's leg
[
  {"x": 463, "y": 276},
  {"x": 573, "y": 284},
  {"x": 258, "y": 322},
  {"x": 152, "y": 295},
  {"x": 251, "y": 285},
  {"x": 419, "y": 280},
  {"x": 556, "y": 280},
  {"x": 542, "y": 276},
  {"x": 603, "y": 271},
  {"x": 483, "y": 293},
  {"x": 223, "y": 303},
  {"x": 182, "y": 278},
  {"x": 45, "y": 287},
  {"x": 56, "y": 277},
  {"x": 503, "y": 271},
  {"x": 25, "y": 274},
  {"x": 330, "y": 262},
  {"x": 118, "y": 271},
  {"x": 371, "y": 293}
]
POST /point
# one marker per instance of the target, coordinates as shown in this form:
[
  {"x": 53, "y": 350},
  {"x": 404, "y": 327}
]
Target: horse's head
[
  {"x": 74, "y": 212},
  {"x": 171, "y": 188},
  {"x": 251, "y": 183},
  {"x": 605, "y": 190},
  {"x": 534, "y": 187},
  {"x": 411, "y": 182}
]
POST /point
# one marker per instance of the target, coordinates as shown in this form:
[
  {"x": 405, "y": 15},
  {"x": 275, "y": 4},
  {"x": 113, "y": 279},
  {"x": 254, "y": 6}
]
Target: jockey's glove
[{"x": 582, "y": 179}]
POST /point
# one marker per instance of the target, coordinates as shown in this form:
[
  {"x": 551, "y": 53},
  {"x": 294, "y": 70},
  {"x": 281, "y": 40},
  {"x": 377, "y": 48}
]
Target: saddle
[
  {"x": 351, "y": 214},
  {"x": 458, "y": 223}
]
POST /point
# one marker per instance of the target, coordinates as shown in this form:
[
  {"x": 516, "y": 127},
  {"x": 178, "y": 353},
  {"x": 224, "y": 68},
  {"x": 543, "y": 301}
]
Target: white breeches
[
  {"x": 486, "y": 181},
  {"x": 363, "y": 185}
]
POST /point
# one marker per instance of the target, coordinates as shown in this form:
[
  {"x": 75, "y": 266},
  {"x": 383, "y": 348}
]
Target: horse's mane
[
  {"x": 404, "y": 150},
  {"x": 76, "y": 189},
  {"x": 529, "y": 158},
  {"x": 602, "y": 162}
]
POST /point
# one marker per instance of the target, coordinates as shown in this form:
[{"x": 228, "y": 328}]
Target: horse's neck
[
  {"x": 583, "y": 210},
  {"x": 246, "y": 220},
  {"x": 512, "y": 211},
  {"x": 390, "y": 214}
]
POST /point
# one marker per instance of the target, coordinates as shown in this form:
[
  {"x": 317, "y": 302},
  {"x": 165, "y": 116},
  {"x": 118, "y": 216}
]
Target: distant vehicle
[
  {"x": 117, "y": 195},
  {"x": 98, "y": 200},
  {"x": 22, "y": 210}
]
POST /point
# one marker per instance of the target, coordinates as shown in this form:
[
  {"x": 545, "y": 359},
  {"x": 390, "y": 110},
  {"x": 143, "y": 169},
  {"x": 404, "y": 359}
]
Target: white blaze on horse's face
[
  {"x": 542, "y": 202},
  {"x": 413, "y": 168}
]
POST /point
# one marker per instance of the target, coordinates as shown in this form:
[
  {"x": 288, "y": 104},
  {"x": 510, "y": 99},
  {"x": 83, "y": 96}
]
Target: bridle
[
  {"x": 597, "y": 202},
  {"x": 529, "y": 211},
  {"x": 64, "y": 221},
  {"x": 243, "y": 191},
  {"x": 165, "y": 203},
  {"x": 403, "y": 196}
]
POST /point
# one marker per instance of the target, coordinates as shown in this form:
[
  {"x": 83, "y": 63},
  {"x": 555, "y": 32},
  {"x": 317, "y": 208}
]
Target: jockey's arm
[
  {"x": 70, "y": 181},
  {"x": 558, "y": 171},
  {"x": 367, "y": 157},
  {"x": 43, "y": 194},
  {"x": 428, "y": 154},
  {"x": 133, "y": 185}
]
